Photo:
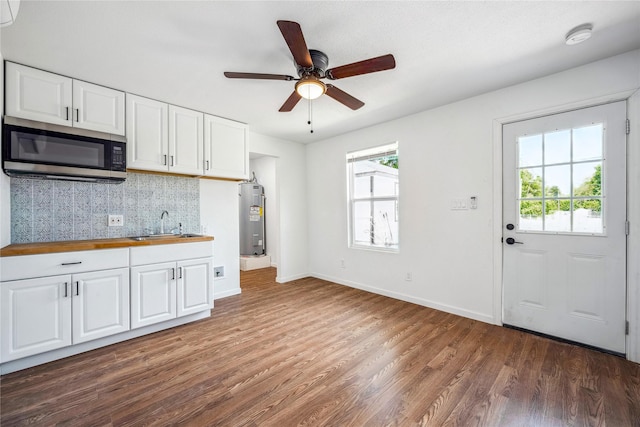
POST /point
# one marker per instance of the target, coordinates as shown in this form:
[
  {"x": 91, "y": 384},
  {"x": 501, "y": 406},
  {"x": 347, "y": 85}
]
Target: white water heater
[{"x": 252, "y": 228}]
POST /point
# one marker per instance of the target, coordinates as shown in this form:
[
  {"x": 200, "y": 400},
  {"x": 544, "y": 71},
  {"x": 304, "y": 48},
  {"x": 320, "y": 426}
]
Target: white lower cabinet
[
  {"x": 36, "y": 316},
  {"x": 168, "y": 290},
  {"x": 153, "y": 294},
  {"x": 100, "y": 304},
  {"x": 48, "y": 313}
]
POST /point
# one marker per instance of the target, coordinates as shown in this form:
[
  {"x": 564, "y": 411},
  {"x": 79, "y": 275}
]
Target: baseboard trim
[
  {"x": 408, "y": 298},
  {"x": 228, "y": 293}
]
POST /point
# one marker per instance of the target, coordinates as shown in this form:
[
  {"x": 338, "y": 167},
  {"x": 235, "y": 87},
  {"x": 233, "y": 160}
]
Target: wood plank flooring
[{"x": 312, "y": 352}]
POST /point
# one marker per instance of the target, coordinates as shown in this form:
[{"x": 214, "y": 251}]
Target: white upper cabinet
[
  {"x": 225, "y": 148},
  {"x": 163, "y": 137},
  {"x": 47, "y": 97},
  {"x": 185, "y": 141},
  {"x": 147, "y": 134},
  {"x": 98, "y": 108},
  {"x": 37, "y": 95}
]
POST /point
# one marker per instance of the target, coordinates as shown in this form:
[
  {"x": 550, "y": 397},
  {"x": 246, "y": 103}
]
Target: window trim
[{"x": 368, "y": 154}]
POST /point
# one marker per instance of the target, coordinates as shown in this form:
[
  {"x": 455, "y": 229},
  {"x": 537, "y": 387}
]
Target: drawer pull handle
[
  {"x": 71, "y": 263},
  {"x": 179, "y": 272},
  {"x": 66, "y": 289},
  {"x": 164, "y": 162},
  {"x": 67, "y": 109},
  {"x": 77, "y": 288},
  {"x": 78, "y": 115},
  {"x": 173, "y": 274}
]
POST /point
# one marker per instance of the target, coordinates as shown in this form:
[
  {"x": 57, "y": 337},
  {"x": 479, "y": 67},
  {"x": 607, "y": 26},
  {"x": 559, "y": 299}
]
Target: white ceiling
[{"x": 177, "y": 51}]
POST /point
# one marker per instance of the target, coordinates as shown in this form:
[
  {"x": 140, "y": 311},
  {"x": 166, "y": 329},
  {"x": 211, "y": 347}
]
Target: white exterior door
[
  {"x": 100, "y": 304},
  {"x": 564, "y": 225},
  {"x": 195, "y": 289},
  {"x": 153, "y": 294},
  {"x": 36, "y": 316}
]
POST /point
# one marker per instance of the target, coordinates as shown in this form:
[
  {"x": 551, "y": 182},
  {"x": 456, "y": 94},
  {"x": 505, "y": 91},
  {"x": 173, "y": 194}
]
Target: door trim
[{"x": 498, "y": 247}]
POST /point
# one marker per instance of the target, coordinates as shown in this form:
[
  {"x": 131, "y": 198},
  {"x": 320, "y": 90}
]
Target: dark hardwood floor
[{"x": 315, "y": 353}]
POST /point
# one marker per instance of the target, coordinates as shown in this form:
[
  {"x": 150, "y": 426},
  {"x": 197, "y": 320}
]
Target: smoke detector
[{"x": 578, "y": 34}]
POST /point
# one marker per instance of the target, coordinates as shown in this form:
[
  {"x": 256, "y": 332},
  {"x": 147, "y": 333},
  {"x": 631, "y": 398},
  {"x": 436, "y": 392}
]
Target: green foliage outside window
[{"x": 532, "y": 187}]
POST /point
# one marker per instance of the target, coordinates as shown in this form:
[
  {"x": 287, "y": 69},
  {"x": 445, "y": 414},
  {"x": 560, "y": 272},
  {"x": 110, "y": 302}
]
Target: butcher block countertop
[{"x": 86, "y": 245}]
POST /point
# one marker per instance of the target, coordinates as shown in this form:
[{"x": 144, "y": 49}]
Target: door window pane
[
  {"x": 557, "y": 147},
  {"x": 530, "y": 183},
  {"x": 530, "y": 150},
  {"x": 587, "y": 179},
  {"x": 557, "y": 181},
  {"x": 587, "y": 216},
  {"x": 531, "y": 215},
  {"x": 587, "y": 143},
  {"x": 557, "y": 215}
]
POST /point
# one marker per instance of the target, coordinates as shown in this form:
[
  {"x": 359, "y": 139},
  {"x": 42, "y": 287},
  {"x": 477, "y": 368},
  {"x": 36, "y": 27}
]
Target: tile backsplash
[{"x": 48, "y": 210}]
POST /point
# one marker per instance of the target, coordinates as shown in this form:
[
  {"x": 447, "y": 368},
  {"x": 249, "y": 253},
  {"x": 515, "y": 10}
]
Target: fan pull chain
[{"x": 309, "y": 122}]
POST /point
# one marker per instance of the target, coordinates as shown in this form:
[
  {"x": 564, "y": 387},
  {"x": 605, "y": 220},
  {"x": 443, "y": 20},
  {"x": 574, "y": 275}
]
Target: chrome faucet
[{"x": 162, "y": 221}]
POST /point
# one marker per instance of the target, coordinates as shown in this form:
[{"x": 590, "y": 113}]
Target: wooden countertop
[{"x": 85, "y": 245}]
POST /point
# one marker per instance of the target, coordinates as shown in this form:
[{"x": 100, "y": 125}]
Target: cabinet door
[
  {"x": 36, "y": 316},
  {"x": 37, "y": 95},
  {"x": 98, "y": 108},
  {"x": 147, "y": 134},
  {"x": 100, "y": 304},
  {"x": 185, "y": 141},
  {"x": 195, "y": 286},
  {"x": 153, "y": 294},
  {"x": 225, "y": 148}
]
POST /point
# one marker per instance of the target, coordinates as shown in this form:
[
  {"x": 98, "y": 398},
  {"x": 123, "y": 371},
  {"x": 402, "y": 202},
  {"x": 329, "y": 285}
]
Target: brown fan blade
[
  {"x": 232, "y": 75},
  {"x": 290, "y": 102},
  {"x": 343, "y": 97},
  {"x": 372, "y": 65},
  {"x": 292, "y": 34}
]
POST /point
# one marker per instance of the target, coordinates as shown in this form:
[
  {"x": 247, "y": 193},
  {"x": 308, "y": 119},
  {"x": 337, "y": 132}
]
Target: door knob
[
  {"x": 511, "y": 241},
  {"x": 510, "y": 227}
]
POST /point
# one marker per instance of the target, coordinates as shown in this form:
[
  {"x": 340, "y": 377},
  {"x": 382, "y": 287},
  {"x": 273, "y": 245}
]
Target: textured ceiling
[{"x": 177, "y": 51}]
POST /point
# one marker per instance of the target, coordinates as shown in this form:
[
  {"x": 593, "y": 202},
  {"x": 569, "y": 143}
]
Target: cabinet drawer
[
  {"x": 166, "y": 253},
  {"x": 30, "y": 266}
]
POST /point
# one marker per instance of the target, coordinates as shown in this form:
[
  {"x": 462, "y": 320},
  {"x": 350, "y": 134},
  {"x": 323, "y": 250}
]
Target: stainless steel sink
[{"x": 162, "y": 236}]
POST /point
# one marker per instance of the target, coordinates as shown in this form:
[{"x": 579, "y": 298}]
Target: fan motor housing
[{"x": 320, "y": 64}]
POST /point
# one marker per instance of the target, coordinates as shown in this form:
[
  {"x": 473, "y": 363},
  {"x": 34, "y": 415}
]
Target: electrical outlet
[
  {"x": 342, "y": 265},
  {"x": 116, "y": 220},
  {"x": 218, "y": 272},
  {"x": 408, "y": 277}
]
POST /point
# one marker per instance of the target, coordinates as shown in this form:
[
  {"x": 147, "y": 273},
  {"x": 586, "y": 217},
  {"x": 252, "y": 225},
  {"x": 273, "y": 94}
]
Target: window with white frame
[{"x": 373, "y": 186}]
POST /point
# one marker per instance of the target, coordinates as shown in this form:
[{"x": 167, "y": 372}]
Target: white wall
[
  {"x": 633, "y": 214},
  {"x": 445, "y": 153},
  {"x": 265, "y": 170},
  {"x": 219, "y": 215},
  {"x": 291, "y": 187},
  {"x": 5, "y": 200}
]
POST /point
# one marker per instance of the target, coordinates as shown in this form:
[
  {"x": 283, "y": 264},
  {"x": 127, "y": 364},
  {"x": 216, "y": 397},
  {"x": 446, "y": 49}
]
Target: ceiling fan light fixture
[
  {"x": 309, "y": 87},
  {"x": 578, "y": 34}
]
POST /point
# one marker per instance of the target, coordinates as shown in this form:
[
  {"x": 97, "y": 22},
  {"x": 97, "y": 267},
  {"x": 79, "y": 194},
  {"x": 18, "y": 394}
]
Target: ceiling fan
[{"x": 312, "y": 67}]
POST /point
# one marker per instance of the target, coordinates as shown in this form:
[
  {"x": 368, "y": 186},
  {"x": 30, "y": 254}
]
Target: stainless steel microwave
[{"x": 40, "y": 150}]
